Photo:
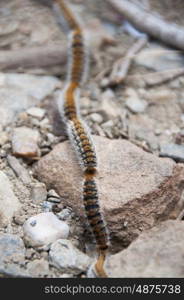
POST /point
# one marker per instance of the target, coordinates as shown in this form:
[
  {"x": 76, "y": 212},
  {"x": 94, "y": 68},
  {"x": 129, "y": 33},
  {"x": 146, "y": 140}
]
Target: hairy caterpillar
[{"x": 79, "y": 135}]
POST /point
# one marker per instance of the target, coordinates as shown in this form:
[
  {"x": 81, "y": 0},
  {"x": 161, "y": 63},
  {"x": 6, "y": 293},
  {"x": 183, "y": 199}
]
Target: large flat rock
[
  {"x": 9, "y": 203},
  {"x": 137, "y": 189},
  {"x": 155, "y": 253}
]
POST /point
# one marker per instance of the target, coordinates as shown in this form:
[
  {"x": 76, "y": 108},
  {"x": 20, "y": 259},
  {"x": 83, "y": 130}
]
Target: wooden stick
[
  {"x": 156, "y": 78},
  {"x": 122, "y": 65},
  {"x": 42, "y": 56},
  {"x": 149, "y": 23}
]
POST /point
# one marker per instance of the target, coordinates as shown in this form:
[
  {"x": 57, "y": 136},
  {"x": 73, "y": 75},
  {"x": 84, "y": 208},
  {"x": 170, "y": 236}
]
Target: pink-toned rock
[
  {"x": 155, "y": 253},
  {"x": 137, "y": 189},
  {"x": 25, "y": 142}
]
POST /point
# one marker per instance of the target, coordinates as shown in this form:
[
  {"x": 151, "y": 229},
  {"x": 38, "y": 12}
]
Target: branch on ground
[
  {"x": 122, "y": 65},
  {"x": 149, "y": 23},
  {"x": 36, "y": 57},
  {"x": 156, "y": 78}
]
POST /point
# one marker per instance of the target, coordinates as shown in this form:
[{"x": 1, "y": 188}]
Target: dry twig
[
  {"x": 122, "y": 65},
  {"x": 43, "y": 56},
  {"x": 151, "y": 24},
  {"x": 156, "y": 78}
]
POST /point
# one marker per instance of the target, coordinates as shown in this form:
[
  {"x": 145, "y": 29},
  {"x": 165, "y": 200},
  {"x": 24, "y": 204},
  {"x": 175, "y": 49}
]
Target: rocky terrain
[{"x": 138, "y": 130}]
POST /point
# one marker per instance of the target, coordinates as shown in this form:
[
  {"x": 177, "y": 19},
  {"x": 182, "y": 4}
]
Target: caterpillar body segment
[
  {"x": 82, "y": 143},
  {"x": 68, "y": 15}
]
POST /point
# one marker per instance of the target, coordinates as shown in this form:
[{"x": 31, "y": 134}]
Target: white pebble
[
  {"x": 97, "y": 118},
  {"x": 36, "y": 112},
  {"x": 133, "y": 102},
  {"x": 43, "y": 229}
]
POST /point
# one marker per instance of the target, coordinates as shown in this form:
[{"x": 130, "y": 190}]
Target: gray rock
[
  {"x": 47, "y": 206},
  {"x": 38, "y": 192},
  {"x": 97, "y": 118},
  {"x": 53, "y": 196},
  {"x": 142, "y": 128},
  {"x": 108, "y": 108},
  {"x": 159, "y": 59},
  {"x": 65, "y": 214},
  {"x": 25, "y": 142},
  {"x": 135, "y": 187},
  {"x": 52, "y": 193},
  {"x": 12, "y": 252},
  {"x": 173, "y": 151},
  {"x": 67, "y": 258},
  {"x": 158, "y": 253},
  {"x": 3, "y": 137},
  {"x": 36, "y": 112},
  {"x": 43, "y": 229},
  {"x": 108, "y": 124},
  {"x": 19, "y": 170},
  {"x": 134, "y": 103},
  {"x": 21, "y": 91},
  {"x": 10, "y": 245},
  {"x": 9, "y": 203},
  {"x": 19, "y": 219},
  {"x": 38, "y": 268}
]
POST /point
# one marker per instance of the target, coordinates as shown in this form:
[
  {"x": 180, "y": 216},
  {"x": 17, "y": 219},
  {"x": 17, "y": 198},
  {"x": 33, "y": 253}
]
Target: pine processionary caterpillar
[{"x": 79, "y": 136}]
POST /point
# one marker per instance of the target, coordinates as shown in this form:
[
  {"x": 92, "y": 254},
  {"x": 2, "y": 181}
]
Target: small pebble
[
  {"x": 68, "y": 258},
  {"x": 97, "y": 118},
  {"x": 108, "y": 124},
  {"x": 53, "y": 194},
  {"x": 3, "y": 138},
  {"x": 25, "y": 142},
  {"x": 104, "y": 82},
  {"x": 65, "y": 214},
  {"x": 36, "y": 112},
  {"x": 133, "y": 102},
  {"x": 38, "y": 268},
  {"x": 108, "y": 94},
  {"x": 19, "y": 220},
  {"x": 108, "y": 108},
  {"x": 51, "y": 138},
  {"x": 45, "y": 124},
  {"x": 173, "y": 151},
  {"x": 136, "y": 105},
  {"x": 47, "y": 228},
  {"x": 3, "y": 153},
  {"x": 47, "y": 206},
  {"x": 38, "y": 192},
  {"x": 29, "y": 253}
]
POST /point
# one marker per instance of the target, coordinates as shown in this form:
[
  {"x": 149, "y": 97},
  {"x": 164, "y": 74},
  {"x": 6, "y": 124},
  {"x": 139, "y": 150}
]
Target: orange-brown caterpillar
[{"x": 80, "y": 137}]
